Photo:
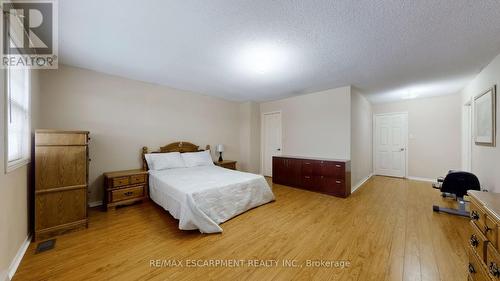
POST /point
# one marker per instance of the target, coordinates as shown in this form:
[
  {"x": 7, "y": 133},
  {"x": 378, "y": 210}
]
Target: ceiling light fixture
[
  {"x": 410, "y": 96},
  {"x": 263, "y": 58}
]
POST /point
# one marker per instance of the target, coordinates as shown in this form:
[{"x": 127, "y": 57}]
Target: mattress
[{"x": 204, "y": 197}]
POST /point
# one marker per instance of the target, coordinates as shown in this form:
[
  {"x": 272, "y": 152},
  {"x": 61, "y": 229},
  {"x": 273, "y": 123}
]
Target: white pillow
[
  {"x": 162, "y": 161},
  {"x": 193, "y": 159}
]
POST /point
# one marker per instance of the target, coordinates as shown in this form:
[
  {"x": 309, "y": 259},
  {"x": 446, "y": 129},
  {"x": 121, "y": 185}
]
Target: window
[{"x": 17, "y": 118}]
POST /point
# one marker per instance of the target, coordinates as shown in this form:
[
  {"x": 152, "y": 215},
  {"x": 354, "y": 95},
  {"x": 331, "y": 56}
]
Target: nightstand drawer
[
  {"x": 125, "y": 187},
  {"x": 228, "y": 164},
  {"x": 121, "y": 181},
  {"x": 135, "y": 179},
  {"x": 127, "y": 193},
  {"x": 231, "y": 166}
]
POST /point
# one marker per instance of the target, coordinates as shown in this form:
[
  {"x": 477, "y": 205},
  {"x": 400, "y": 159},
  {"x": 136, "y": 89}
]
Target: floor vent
[{"x": 45, "y": 246}]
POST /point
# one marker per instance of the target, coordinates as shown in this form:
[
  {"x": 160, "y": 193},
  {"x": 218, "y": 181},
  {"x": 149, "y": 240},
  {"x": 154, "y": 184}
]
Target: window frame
[{"x": 10, "y": 166}]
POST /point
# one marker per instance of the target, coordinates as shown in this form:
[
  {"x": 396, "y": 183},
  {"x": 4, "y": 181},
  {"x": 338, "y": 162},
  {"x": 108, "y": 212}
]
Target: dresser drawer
[
  {"x": 491, "y": 231},
  {"x": 477, "y": 272},
  {"x": 309, "y": 182},
  {"x": 477, "y": 215},
  {"x": 61, "y": 138},
  {"x": 127, "y": 193},
  {"x": 477, "y": 241},
  {"x": 307, "y": 167},
  {"x": 121, "y": 181},
  {"x": 493, "y": 262},
  {"x": 329, "y": 169},
  {"x": 135, "y": 179}
]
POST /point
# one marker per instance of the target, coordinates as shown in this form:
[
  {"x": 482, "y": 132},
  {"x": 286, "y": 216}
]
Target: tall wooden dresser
[
  {"x": 61, "y": 181},
  {"x": 483, "y": 239}
]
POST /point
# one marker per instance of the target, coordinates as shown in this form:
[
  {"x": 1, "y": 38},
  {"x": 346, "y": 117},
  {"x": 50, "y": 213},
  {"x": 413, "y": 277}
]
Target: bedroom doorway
[
  {"x": 390, "y": 144},
  {"x": 271, "y": 140}
]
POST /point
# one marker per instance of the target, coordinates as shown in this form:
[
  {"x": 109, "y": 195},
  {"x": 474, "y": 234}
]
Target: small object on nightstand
[
  {"x": 220, "y": 149},
  {"x": 228, "y": 164},
  {"x": 125, "y": 187}
]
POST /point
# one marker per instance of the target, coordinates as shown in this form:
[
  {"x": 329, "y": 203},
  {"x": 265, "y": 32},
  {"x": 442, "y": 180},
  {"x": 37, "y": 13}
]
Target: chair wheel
[{"x": 435, "y": 208}]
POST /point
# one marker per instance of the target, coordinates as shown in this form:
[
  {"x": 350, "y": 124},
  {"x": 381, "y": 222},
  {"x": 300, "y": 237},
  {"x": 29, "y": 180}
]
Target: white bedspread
[{"x": 204, "y": 197}]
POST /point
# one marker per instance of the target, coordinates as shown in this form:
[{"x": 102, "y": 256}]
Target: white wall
[
  {"x": 317, "y": 124},
  {"x": 13, "y": 190},
  {"x": 250, "y": 137},
  {"x": 361, "y": 138},
  {"x": 486, "y": 160},
  {"x": 123, "y": 115},
  {"x": 434, "y": 127}
]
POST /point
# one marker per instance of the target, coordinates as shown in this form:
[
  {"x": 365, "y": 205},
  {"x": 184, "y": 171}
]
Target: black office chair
[{"x": 455, "y": 185}]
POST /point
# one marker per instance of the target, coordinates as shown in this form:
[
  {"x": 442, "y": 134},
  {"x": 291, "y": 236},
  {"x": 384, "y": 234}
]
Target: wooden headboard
[{"x": 180, "y": 146}]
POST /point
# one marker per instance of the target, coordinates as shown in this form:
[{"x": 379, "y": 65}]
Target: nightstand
[
  {"x": 228, "y": 164},
  {"x": 125, "y": 187}
]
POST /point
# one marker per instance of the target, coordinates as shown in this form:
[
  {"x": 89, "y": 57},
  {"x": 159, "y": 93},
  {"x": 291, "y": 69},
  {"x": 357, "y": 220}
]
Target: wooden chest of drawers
[
  {"x": 483, "y": 250},
  {"x": 125, "y": 187},
  {"x": 331, "y": 177},
  {"x": 61, "y": 181}
]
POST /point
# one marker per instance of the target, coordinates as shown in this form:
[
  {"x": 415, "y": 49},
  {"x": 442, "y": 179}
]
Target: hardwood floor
[{"x": 386, "y": 231}]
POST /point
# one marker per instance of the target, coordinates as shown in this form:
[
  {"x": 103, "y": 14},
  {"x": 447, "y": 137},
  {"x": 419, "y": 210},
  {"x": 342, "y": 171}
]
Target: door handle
[
  {"x": 402, "y": 149},
  {"x": 278, "y": 149}
]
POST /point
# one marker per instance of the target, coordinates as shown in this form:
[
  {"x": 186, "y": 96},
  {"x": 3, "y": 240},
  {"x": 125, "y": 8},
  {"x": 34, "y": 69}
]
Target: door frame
[
  {"x": 374, "y": 131},
  {"x": 467, "y": 133},
  {"x": 263, "y": 137}
]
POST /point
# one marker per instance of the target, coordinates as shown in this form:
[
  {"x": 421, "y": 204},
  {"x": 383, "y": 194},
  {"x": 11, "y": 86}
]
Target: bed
[{"x": 203, "y": 197}]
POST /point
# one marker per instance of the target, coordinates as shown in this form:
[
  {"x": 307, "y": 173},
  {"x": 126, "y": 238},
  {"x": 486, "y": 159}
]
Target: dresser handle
[
  {"x": 486, "y": 229},
  {"x": 474, "y": 215},
  {"x": 473, "y": 241},
  {"x": 322, "y": 176},
  {"x": 307, "y": 163},
  {"x": 494, "y": 269},
  {"x": 307, "y": 177},
  {"x": 471, "y": 268},
  {"x": 128, "y": 193},
  {"x": 338, "y": 166},
  {"x": 338, "y": 182}
]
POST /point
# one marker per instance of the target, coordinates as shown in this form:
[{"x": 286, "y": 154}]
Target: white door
[
  {"x": 390, "y": 144},
  {"x": 271, "y": 140}
]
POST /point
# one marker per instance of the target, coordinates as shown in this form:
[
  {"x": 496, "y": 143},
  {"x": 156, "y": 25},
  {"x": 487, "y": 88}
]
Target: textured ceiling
[{"x": 386, "y": 49}]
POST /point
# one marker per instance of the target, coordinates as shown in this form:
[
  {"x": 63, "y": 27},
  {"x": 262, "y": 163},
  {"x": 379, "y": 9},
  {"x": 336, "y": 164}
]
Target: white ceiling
[{"x": 387, "y": 49}]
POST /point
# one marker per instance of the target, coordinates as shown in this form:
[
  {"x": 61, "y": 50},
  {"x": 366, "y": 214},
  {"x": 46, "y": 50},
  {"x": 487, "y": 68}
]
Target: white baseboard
[
  {"x": 3, "y": 276},
  {"x": 19, "y": 256},
  {"x": 420, "y": 179},
  {"x": 360, "y": 183},
  {"x": 95, "y": 204}
]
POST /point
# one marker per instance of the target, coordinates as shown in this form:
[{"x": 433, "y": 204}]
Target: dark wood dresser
[
  {"x": 329, "y": 176},
  {"x": 483, "y": 250}
]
